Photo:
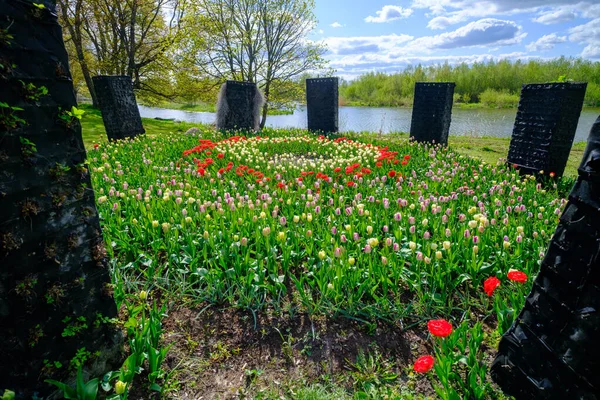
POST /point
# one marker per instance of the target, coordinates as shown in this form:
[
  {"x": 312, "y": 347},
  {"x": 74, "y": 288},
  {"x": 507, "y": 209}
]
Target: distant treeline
[{"x": 493, "y": 84}]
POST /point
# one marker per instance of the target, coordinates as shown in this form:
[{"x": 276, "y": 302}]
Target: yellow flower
[
  {"x": 296, "y": 219},
  {"x": 472, "y": 224},
  {"x": 446, "y": 245},
  {"x": 143, "y": 295},
  {"x": 120, "y": 387},
  {"x": 322, "y": 255},
  {"x": 506, "y": 245},
  {"x": 369, "y": 229},
  {"x": 351, "y": 260},
  {"x": 412, "y": 245},
  {"x": 519, "y": 229},
  {"x": 438, "y": 254}
]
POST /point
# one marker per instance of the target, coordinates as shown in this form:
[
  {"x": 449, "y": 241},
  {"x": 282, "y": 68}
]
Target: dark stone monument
[
  {"x": 432, "y": 112},
  {"x": 238, "y": 106},
  {"x": 55, "y": 296},
  {"x": 552, "y": 351},
  {"x": 120, "y": 111},
  {"x": 322, "y": 104},
  {"x": 545, "y": 126}
]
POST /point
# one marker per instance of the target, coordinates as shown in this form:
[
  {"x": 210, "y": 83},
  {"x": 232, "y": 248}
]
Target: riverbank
[{"x": 487, "y": 149}]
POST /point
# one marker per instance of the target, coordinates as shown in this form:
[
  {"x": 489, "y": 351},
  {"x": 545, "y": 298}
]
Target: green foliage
[
  {"x": 501, "y": 79},
  {"x": 5, "y": 37},
  {"x": 8, "y": 395},
  {"x": 8, "y": 116},
  {"x": 459, "y": 364},
  {"x": 371, "y": 370},
  {"x": 498, "y": 99},
  {"x": 32, "y": 92},
  {"x": 75, "y": 327},
  {"x": 69, "y": 117},
  {"x": 82, "y": 391},
  {"x": 28, "y": 148},
  {"x": 80, "y": 358}
]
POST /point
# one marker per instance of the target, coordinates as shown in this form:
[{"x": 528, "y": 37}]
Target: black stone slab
[
  {"x": 119, "y": 108},
  {"x": 322, "y": 104},
  {"x": 55, "y": 288},
  {"x": 545, "y": 126},
  {"x": 432, "y": 112},
  {"x": 240, "y": 111},
  {"x": 552, "y": 351}
]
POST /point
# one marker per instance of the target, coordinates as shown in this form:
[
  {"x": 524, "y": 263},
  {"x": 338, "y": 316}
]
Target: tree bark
[
  {"x": 55, "y": 293},
  {"x": 265, "y": 109},
  {"x": 76, "y": 35}
]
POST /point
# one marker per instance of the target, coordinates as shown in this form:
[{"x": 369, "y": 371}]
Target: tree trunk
[
  {"x": 55, "y": 293},
  {"x": 265, "y": 109},
  {"x": 76, "y": 35}
]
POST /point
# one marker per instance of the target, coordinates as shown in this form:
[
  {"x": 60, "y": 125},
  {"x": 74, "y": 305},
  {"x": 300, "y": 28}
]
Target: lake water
[{"x": 465, "y": 122}]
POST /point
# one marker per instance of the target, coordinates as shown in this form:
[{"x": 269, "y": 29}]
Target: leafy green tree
[{"x": 260, "y": 41}]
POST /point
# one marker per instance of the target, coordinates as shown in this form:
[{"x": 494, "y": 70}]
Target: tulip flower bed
[{"x": 418, "y": 238}]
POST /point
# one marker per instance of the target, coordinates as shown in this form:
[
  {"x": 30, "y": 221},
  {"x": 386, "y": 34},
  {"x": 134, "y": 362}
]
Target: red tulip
[
  {"x": 423, "y": 364},
  {"x": 439, "y": 327},
  {"x": 517, "y": 276},
  {"x": 490, "y": 285}
]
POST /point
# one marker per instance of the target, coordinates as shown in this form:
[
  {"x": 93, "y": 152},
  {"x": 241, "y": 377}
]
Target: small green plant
[
  {"x": 74, "y": 328},
  {"x": 82, "y": 391},
  {"x": 80, "y": 358},
  {"x": 8, "y": 116},
  {"x": 28, "y": 148},
  {"x": 252, "y": 375},
  {"x": 8, "y": 395},
  {"x": 68, "y": 117},
  {"x": 5, "y": 37},
  {"x": 39, "y": 6},
  {"x": 371, "y": 370},
  {"x": 32, "y": 92},
  {"x": 59, "y": 170}
]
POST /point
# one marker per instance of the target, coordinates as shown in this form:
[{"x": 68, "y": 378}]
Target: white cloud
[
  {"x": 556, "y": 16},
  {"x": 487, "y": 31},
  {"x": 444, "y": 13},
  {"x": 359, "y": 54},
  {"x": 350, "y": 68},
  {"x": 336, "y": 25},
  {"x": 365, "y": 44},
  {"x": 389, "y": 14},
  {"x": 588, "y": 34},
  {"x": 321, "y": 31},
  {"x": 546, "y": 42}
]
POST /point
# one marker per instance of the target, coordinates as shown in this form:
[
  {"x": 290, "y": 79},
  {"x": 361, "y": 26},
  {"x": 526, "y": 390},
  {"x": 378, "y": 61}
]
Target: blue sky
[{"x": 388, "y": 35}]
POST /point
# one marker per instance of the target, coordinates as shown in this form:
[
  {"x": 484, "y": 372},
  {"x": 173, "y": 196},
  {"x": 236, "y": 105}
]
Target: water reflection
[{"x": 474, "y": 122}]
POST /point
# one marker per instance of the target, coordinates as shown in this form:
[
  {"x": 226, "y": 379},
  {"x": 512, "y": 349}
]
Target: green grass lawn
[
  {"x": 94, "y": 132},
  {"x": 487, "y": 149}
]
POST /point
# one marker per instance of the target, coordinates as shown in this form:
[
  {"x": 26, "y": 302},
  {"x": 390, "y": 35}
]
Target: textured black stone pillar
[
  {"x": 120, "y": 111},
  {"x": 432, "y": 112},
  {"x": 545, "y": 126},
  {"x": 239, "y": 106},
  {"x": 552, "y": 351},
  {"x": 322, "y": 104},
  {"x": 55, "y": 297}
]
